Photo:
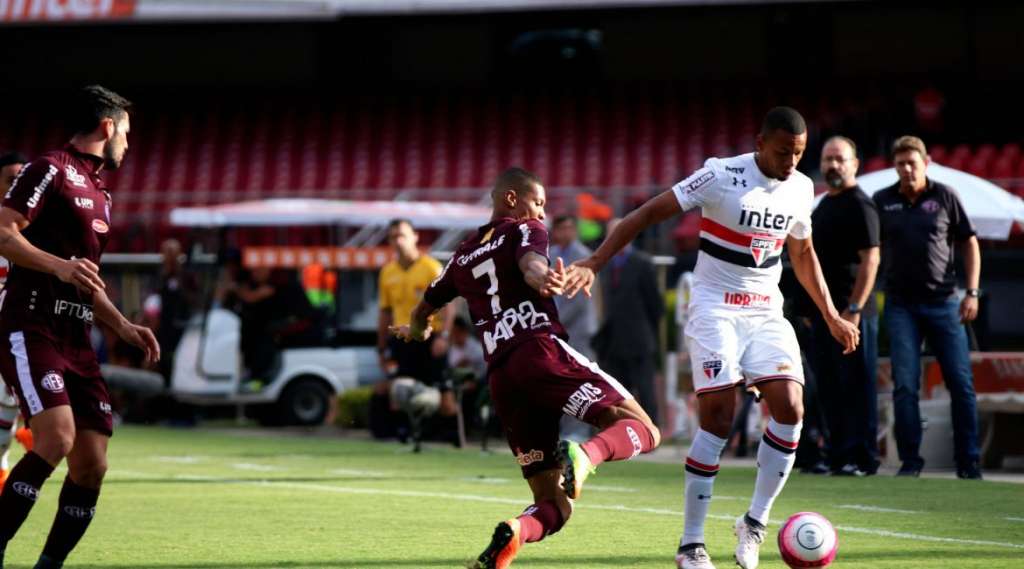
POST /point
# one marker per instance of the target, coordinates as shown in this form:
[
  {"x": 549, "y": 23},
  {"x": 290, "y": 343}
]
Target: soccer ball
[{"x": 808, "y": 539}]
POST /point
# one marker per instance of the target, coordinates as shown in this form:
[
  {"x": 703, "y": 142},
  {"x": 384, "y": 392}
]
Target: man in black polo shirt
[
  {"x": 846, "y": 238},
  {"x": 921, "y": 219}
]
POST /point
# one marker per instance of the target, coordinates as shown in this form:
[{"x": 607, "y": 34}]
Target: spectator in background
[
  {"x": 10, "y": 165},
  {"x": 275, "y": 313},
  {"x": 846, "y": 240},
  {"x": 578, "y": 314},
  {"x": 627, "y": 342},
  {"x": 178, "y": 295},
  {"x": 921, "y": 219}
]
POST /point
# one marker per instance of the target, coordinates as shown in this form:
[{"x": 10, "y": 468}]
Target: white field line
[
  {"x": 180, "y": 459},
  {"x": 255, "y": 467},
  {"x": 1013, "y": 519},
  {"x": 616, "y": 508},
  {"x": 864, "y": 508}
]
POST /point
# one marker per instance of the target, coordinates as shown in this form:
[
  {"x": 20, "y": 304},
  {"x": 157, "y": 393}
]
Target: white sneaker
[
  {"x": 749, "y": 547},
  {"x": 694, "y": 558}
]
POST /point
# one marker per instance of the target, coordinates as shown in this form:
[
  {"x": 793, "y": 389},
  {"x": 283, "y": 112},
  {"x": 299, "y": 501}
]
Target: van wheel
[{"x": 304, "y": 402}]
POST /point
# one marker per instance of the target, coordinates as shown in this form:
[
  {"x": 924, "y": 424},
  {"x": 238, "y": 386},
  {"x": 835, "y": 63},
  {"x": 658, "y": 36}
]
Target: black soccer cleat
[{"x": 503, "y": 547}]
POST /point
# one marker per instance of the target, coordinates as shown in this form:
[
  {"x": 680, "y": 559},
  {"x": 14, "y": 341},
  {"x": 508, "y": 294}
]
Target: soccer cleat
[
  {"x": 3, "y": 480},
  {"x": 749, "y": 538},
  {"x": 693, "y": 556},
  {"x": 503, "y": 547},
  {"x": 576, "y": 467},
  {"x": 24, "y": 436}
]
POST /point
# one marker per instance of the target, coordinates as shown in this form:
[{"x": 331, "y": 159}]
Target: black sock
[
  {"x": 20, "y": 493},
  {"x": 75, "y": 510}
]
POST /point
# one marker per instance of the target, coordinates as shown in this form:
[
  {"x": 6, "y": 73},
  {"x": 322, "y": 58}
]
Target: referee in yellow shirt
[{"x": 402, "y": 283}]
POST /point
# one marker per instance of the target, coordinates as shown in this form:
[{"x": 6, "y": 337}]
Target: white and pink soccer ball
[{"x": 808, "y": 539}]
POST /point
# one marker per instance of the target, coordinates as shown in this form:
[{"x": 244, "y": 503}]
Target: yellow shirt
[{"x": 402, "y": 289}]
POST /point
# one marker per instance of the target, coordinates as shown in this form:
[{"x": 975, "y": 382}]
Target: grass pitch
[{"x": 213, "y": 498}]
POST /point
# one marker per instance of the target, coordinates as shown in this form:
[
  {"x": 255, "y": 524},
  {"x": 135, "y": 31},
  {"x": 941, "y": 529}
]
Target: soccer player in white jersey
[{"x": 752, "y": 205}]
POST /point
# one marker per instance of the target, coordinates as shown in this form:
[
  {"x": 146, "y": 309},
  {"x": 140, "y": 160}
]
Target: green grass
[{"x": 219, "y": 499}]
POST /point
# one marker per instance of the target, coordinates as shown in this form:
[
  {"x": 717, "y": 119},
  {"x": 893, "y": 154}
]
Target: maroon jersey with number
[
  {"x": 485, "y": 271},
  {"x": 68, "y": 208}
]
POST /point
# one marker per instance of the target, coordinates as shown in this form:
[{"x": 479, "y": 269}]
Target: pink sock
[
  {"x": 539, "y": 521},
  {"x": 621, "y": 441}
]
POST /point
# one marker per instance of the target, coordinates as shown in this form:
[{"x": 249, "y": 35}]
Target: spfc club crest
[
  {"x": 712, "y": 368},
  {"x": 760, "y": 247}
]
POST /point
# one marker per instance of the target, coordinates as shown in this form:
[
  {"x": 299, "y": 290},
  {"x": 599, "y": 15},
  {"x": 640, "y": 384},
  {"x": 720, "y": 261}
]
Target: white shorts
[{"x": 728, "y": 346}]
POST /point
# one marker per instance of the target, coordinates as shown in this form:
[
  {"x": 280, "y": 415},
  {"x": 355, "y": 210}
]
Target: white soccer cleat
[
  {"x": 748, "y": 550},
  {"x": 694, "y": 558}
]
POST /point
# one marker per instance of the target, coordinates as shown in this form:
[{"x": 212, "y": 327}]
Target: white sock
[
  {"x": 775, "y": 457},
  {"x": 701, "y": 468}
]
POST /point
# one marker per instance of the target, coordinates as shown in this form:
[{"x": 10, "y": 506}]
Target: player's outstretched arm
[
  {"x": 808, "y": 272},
  {"x": 539, "y": 274},
  {"x": 581, "y": 274},
  {"x": 418, "y": 329},
  {"x": 14, "y": 247},
  {"x": 136, "y": 335}
]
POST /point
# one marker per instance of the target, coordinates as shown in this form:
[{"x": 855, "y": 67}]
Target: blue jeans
[{"x": 939, "y": 323}]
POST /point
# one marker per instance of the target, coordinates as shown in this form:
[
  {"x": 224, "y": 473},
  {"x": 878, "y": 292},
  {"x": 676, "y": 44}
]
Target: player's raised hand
[
  {"x": 142, "y": 338},
  {"x": 82, "y": 273},
  {"x": 580, "y": 276},
  {"x": 845, "y": 333},
  {"x": 405, "y": 333}
]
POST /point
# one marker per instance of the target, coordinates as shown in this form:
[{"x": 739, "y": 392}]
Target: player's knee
[
  {"x": 791, "y": 414},
  {"x": 90, "y": 474},
  {"x": 718, "y": 422},
  {"x": 655, "y": 435},
  {"x": 54, "y": 445}
]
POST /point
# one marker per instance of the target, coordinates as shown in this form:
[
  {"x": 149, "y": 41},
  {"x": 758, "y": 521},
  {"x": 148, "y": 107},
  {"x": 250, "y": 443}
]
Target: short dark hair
[
  {"x": 908, "y": 143},
  {"x": 841, "y": 138},
  {"x": 515, "y": 178},
  {"x": 399, "y": 221},
  {"x": 12, "y": 158},
  {"x": 560, "y": 219},
  {"x": 784, "y": 118},
  {"x": 91, "y": 105}
]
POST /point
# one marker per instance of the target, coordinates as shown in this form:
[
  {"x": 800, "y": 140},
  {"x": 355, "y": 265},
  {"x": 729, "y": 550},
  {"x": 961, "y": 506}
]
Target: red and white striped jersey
[{"x": 746, "y": 217}]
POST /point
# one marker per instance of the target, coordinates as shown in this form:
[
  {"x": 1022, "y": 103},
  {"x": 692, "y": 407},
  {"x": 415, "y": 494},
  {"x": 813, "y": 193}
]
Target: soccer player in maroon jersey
[
  {"x": 54, "y": 224},
  {"x": 503, "y": 272}
]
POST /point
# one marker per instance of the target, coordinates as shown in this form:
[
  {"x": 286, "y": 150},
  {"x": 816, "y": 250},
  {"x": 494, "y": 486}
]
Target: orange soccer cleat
[
  {"x": 503, "y": 547},
  {"x": 24, "y": 436},
  {"x": 3, "y": 478}
]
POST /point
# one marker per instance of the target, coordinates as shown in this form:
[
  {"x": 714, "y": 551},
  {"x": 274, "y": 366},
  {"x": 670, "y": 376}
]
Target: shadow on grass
[
  {"x": 238, "y": 480},
  {"x": 447, "y": 563}
]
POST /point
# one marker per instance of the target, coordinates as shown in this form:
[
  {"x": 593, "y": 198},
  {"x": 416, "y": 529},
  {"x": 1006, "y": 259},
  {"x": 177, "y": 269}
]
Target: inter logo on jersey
[
  {"x": 760, "y": 247},
  {"x": 712, "y": 368}
]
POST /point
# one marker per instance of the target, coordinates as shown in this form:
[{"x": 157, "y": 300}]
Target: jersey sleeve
[
  {"x": 34, "y": 184},
  {"x": 801, "y": 228},
  {"x": 533, "y": 238},
  {"x": 700, "y": 188},
  {"x": 869, "y": 235},
  {"x": 442, "y": 290},
  {"x": 385, "y": 301},
  {"x": 960, "y": 226}
]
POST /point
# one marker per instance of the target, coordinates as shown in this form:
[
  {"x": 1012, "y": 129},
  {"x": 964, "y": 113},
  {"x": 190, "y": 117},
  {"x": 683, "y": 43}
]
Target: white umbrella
[{"x": 992, "y": 209}]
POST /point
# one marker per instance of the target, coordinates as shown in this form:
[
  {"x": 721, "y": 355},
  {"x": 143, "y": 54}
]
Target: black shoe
[
  {"x": 816, "y": 468},
  {"x": 868, "y": 468},
  {"x": 970, "y": 471},
  {"x": 848, "y": 470},
  {"x": 47, "y": 563},
  {"x": 912, "y": 469}
]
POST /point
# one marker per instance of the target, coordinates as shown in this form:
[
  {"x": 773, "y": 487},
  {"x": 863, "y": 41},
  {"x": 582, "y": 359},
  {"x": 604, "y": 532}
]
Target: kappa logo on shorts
[
  {"x": 581, "y": 400},
  {"x": 528, "y": 458},
  {"x": 52, "y": 382},
  {"x": 712, "y": 368}
]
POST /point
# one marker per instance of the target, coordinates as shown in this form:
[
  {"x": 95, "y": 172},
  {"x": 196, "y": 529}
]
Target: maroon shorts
[
  {"x": 35, "y": 369},
  {"x": 534, "y": 385}
]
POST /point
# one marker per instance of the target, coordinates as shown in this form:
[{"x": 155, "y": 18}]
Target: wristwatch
[
  {"x": 853, "y": 308},
  {"x": 974, "y": 292}
]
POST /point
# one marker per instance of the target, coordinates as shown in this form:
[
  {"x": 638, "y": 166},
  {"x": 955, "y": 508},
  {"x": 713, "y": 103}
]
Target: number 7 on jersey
[{"x": 488, "y": 268}]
